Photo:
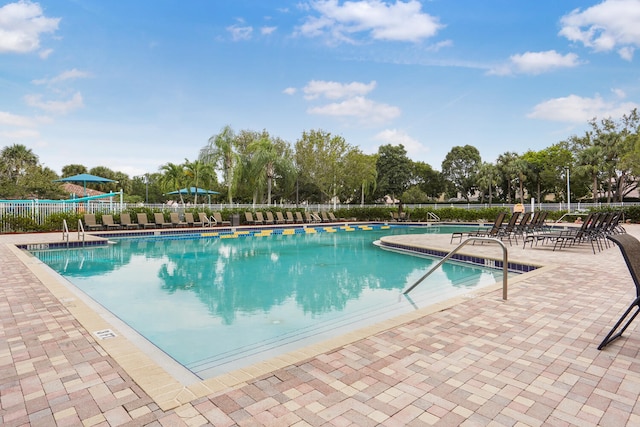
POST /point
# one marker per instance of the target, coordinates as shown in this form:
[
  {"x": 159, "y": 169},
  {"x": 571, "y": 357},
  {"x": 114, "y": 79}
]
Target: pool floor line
[{"x": 166, "y": 390}]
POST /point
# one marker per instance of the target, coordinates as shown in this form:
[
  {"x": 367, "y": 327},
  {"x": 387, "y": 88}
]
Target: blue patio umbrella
[
  {"x": 194, "y": 190},
  {"x": 84, "y": 178}
]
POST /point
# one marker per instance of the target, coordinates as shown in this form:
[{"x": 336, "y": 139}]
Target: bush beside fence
[{"x": 29, "y": 217}]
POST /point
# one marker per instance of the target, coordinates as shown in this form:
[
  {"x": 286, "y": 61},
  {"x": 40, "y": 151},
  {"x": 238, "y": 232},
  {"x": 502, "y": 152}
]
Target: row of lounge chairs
[
  {"x": 519, "y": 225},
  {"x": 288, "y": 218},
  {"x": 532, "y": 229},
  {"x": 594, "y": 230},
  {"x": 143, "y": 222}
]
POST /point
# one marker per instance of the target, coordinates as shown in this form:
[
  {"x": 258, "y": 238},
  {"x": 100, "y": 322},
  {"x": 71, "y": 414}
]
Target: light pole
[
  {"x": 146, "y": 194},
  {"x": 568, "y": 192}
]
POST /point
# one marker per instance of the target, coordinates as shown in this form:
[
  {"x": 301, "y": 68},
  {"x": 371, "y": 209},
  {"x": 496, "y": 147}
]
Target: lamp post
[
  {"x": 568, "y": 192},
  {"x": 146, "y": 194}
]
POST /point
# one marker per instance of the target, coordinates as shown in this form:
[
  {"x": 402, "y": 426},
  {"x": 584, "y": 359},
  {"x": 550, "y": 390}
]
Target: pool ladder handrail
[
  {"x": 505, "y": 264},
  {"x": 432, "y": 216},
  {"x": 65, "y": 231}
]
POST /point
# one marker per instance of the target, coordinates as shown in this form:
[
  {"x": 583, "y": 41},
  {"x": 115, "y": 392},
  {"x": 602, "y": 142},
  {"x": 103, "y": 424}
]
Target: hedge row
[{"x": 17, "y": 223}]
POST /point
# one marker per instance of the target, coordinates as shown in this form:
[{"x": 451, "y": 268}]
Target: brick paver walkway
[{"x": 530, "y": 360}]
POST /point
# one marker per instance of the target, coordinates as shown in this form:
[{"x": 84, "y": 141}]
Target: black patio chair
[{"x": 630, "y": 248}]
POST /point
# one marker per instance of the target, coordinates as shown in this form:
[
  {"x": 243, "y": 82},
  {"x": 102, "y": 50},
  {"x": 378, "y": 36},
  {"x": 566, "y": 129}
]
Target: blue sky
[{"x": 132, "y": 85}]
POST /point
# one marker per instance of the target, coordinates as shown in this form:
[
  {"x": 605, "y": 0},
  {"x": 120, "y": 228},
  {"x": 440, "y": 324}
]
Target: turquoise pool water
[{"x": 217, "y": 304}]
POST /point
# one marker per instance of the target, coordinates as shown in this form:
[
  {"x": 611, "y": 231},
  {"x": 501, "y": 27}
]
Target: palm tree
[
  {"x": 195, "y": 173},
  {"x": 220, "y": 151},
  {"x": 591, "y": 162},
  {"x": 487, "y": 178},
  {"x": 267, "y": 163},
  {"x": 16, "y": 160},
  {"x": 173, "y": 177}
]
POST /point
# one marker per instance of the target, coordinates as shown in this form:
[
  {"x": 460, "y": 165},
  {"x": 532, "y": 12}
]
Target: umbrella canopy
[
  {"x": 84, "y": 178},
  {"x": 193, "y": 190}
]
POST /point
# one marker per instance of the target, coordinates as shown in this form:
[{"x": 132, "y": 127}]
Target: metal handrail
[
  {"x": 80, "y": 231},
  {"x": 505, "y": 265},
  {"x": 433, "y": 216},
  {"x": 65, "y": 231}
]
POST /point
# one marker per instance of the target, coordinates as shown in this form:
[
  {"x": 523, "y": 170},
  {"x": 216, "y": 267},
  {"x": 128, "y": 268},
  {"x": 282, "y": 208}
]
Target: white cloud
[
  {"x": 577, "y": 109},
  {"x": 21, "y": 25},
  {"x": 381, "y": 20},
  {"x": 65, "y": 75},
  {"x": 45, "y": 53},
  {"x": 21, "y": 134},
  {"x": 57, "y": 107},
  {"x": 365, "y": 110},
  {"x": 605, "y": 26},
  {"x": 619, "y": 93},
  {"x": 437, "y": 46},
  {"x": 290, "y": 91},
  {"x": 394, "y": 136},
  {"x": 11, "y": 119},
  {"x": 536, "y": 63},
  {"x": 335, "y": 90},
  {"x": 267, "y": 30},
  {"x": 239, "y": 32}
]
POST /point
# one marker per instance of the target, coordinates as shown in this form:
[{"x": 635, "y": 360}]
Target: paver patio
[{"x": 530, "y": 360}]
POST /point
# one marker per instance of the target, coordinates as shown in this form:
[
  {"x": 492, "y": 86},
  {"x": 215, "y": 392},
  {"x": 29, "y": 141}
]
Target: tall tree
[
  {"x": 15, "y": 160},
  {"x": 71, "y": 170},
  {"x": 487, "y": 179},
  {"x": 320, "y": 159},
  {"x": 173, "y": 178},
  {"x": 429, "y": 180},
  {"x": 460, "y": 167},
  {"x": 105, "y": 172},
  {"x": 361, "y": 177},
  {"x": 394, "y": 170},
  {"x": 220, "y": 151},
  {"x": 268, "y": 162},
  {"x": 196, "y": 172}
]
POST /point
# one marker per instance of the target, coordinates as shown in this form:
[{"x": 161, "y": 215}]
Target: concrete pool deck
[{"x": 476, "y": 360}]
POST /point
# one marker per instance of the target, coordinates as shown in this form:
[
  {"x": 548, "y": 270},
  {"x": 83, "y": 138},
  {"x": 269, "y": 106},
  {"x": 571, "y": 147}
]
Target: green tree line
[{"x": 255, "y": 167}]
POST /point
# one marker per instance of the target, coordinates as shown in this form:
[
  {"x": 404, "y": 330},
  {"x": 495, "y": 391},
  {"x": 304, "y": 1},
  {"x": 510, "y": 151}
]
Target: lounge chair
[
  {"x": 495, "y": 230},
  {"x": 217, "y": 217},
  {"x": 158, "y": 217},
  {"x": 630, "y": 248},
  {"x": 248, "y": 218},
  {"x": 259, "y": 218},
  {"x": 563, "y": 238},
  {"x": 311, "y": 217},
  {"x": 270, "y": 219},
  {"x": 107, "y": 222},
  {"x": 190, "y": 220},
  {"x": 90, "y": 223},
  {"x": 280, "y": 218},
  {"x": 176, "y": 221},
  {"x": 510, "y": 229},
  {"x": 125, "y": 221},
  {"x": 333, "y": 218},
  {"x": 289, "y": 219},
  {"x": 143, "y": 221},
  {"x": 299, "y": 218},
  {"x": 324, "y": 217},
  {"x": 481, "y": 232},
  {"x": 204, "y": 219}
]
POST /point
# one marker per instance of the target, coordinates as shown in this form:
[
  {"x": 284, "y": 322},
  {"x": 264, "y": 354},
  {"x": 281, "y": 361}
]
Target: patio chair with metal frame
[{"x": 630, "y": 248}]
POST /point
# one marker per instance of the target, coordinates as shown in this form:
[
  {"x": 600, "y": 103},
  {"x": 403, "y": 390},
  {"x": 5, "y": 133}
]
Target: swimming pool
[{"x": 216, "y": 304}]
